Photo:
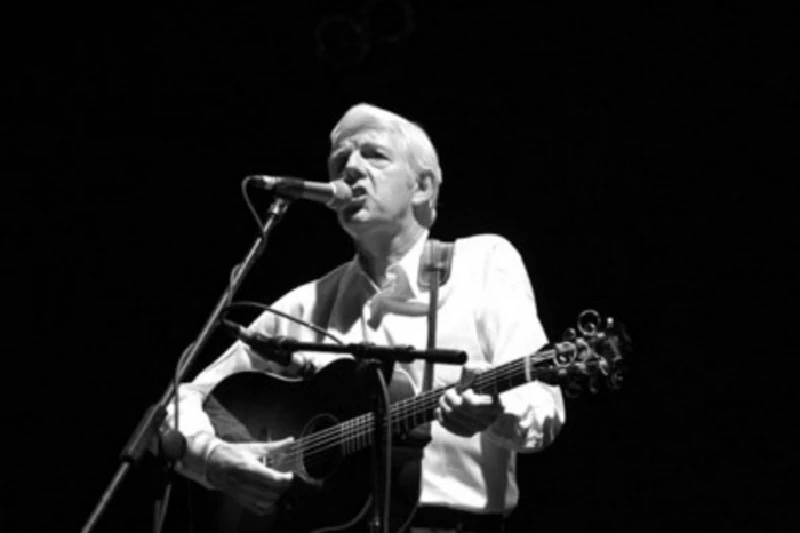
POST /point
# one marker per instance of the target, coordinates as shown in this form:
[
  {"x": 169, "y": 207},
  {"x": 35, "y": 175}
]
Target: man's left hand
[{"x": 464, "y": 412}]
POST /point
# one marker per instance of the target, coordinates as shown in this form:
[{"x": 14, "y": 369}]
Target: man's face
[{"x": 374, "y": 163}]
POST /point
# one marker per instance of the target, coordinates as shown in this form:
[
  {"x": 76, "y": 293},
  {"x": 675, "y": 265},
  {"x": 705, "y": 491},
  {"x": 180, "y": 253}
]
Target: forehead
[{"x": 360, "y": 136}]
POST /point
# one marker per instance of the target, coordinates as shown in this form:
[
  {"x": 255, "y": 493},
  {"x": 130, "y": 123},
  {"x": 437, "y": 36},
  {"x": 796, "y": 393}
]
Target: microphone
[
  {"x": 272, "y": 348},
  {"x": 279, "y": 349},
  {"x": 334, "y": 194}
]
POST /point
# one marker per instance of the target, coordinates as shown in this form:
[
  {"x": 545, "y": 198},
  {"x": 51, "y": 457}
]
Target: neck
[{"x": 376, "y": 252}]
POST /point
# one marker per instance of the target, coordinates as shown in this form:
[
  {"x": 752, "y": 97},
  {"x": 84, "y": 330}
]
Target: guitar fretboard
[{"x": 357, "y": 434}]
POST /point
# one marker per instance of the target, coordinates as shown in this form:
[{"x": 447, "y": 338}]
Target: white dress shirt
[{"x": 486, "y": 308}]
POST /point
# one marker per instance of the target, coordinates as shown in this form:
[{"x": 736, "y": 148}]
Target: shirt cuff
[
  {"x": 194, "y": 464},
  {"x": 518, "y": 429},
  {"x": 512, "y": 431}
]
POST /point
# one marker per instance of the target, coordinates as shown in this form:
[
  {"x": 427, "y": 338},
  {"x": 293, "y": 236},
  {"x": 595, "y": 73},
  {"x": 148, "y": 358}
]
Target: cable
[
  {"x": 287, "y": 316},
  {"x": 162, "y": 507},
  {"x": 387, "y": 450},
  {"x": 243, "y": 185}
]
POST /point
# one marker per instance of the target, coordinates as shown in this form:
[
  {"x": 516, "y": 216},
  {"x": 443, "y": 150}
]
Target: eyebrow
[
  {"x": 375, "y": 144},
  {"x": 342, "y": 150}
]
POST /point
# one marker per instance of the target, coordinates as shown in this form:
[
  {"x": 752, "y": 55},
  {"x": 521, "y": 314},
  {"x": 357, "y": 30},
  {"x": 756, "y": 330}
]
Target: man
[{"x": 486, "y": 308}]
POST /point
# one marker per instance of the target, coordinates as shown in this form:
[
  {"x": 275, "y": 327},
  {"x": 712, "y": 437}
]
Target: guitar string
[
  {"x": 360, "y": 427},
  {"x": 356, "y": 429},
  {"x": 341, "y": 433},
  {"x": 404, "y": 408},
  {"x": 360, "y": 438},
  {"x": 358, "y": 434},
  {"x": 359, "y": 431}
]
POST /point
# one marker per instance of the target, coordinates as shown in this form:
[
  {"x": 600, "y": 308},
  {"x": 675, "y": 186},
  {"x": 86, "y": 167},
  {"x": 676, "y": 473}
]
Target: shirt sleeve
[
  {"x": 192, "y": 421},
  {"x": 534, "y": 412}
]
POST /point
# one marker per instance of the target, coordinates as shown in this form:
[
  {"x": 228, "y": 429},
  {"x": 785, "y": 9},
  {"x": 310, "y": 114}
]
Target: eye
[
  {"x": 370, "y": 152},
  {"x": 338, "y": 161}
]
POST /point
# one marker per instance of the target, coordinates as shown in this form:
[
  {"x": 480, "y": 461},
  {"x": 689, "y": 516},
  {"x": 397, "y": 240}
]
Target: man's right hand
[{"x": 238, "y": 470}]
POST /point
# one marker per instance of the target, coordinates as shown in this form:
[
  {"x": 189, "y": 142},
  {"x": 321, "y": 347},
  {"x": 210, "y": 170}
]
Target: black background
[{"x": 607, "y": 143}]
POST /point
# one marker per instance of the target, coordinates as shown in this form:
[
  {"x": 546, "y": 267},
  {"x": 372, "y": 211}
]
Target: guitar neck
[{"x": 412, "y": 412}]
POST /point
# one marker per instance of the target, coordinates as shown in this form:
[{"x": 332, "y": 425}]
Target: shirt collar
[{"x": 409, "y": 265}]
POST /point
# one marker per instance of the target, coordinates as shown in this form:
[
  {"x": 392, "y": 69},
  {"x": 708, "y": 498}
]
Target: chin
[
  {"x": 361, "y": 216},
  {"x": 351, "y": 224},
  {"x": 360, "y": 224}
]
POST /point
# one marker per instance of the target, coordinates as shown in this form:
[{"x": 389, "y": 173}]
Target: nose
[{"x": 354, "y": 168}]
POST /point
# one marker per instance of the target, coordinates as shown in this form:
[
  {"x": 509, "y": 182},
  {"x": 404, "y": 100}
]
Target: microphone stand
[
  {"x": 377, "y": 363},
  {"x": 171, "y": 445},
  {"x": 381, "y": 456}
]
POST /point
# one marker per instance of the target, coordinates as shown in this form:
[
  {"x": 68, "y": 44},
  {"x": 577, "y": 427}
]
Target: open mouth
[{"x": 353, "y": 207}]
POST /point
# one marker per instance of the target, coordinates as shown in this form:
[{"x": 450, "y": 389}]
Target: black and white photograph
[{"x": 395, "y": 266}]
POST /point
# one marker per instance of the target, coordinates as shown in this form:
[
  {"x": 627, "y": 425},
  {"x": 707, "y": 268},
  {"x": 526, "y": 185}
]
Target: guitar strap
[{"x": 435, "y": 267}]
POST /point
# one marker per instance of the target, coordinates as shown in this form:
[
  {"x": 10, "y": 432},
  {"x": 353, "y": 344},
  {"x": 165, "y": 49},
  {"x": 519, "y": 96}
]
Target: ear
[
  {"x": 423, "y": 193},
  {"x": 422, "y": 200}
]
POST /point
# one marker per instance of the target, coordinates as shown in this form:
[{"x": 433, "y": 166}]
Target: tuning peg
[
  {"x": 570, "y": 334},
  {"x": 589, "y": 322}
]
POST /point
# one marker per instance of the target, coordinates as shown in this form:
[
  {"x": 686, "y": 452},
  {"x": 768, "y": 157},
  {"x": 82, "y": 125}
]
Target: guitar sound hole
[{"x": 322, "y": 452}]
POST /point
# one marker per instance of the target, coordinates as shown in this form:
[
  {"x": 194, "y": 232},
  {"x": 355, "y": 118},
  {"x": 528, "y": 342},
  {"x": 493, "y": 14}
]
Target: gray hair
[{"x": 421, "y": 154}]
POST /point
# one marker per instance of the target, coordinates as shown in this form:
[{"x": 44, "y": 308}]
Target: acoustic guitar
[{"x": 328, "y": 415}]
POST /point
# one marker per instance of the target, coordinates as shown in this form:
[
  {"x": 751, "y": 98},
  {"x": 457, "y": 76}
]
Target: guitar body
[
  {"x": 328, "y": 417},
  {"x": 332, "y": 489}
]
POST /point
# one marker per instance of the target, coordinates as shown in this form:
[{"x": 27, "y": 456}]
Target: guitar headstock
[{"x": 590, "y": 354}]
